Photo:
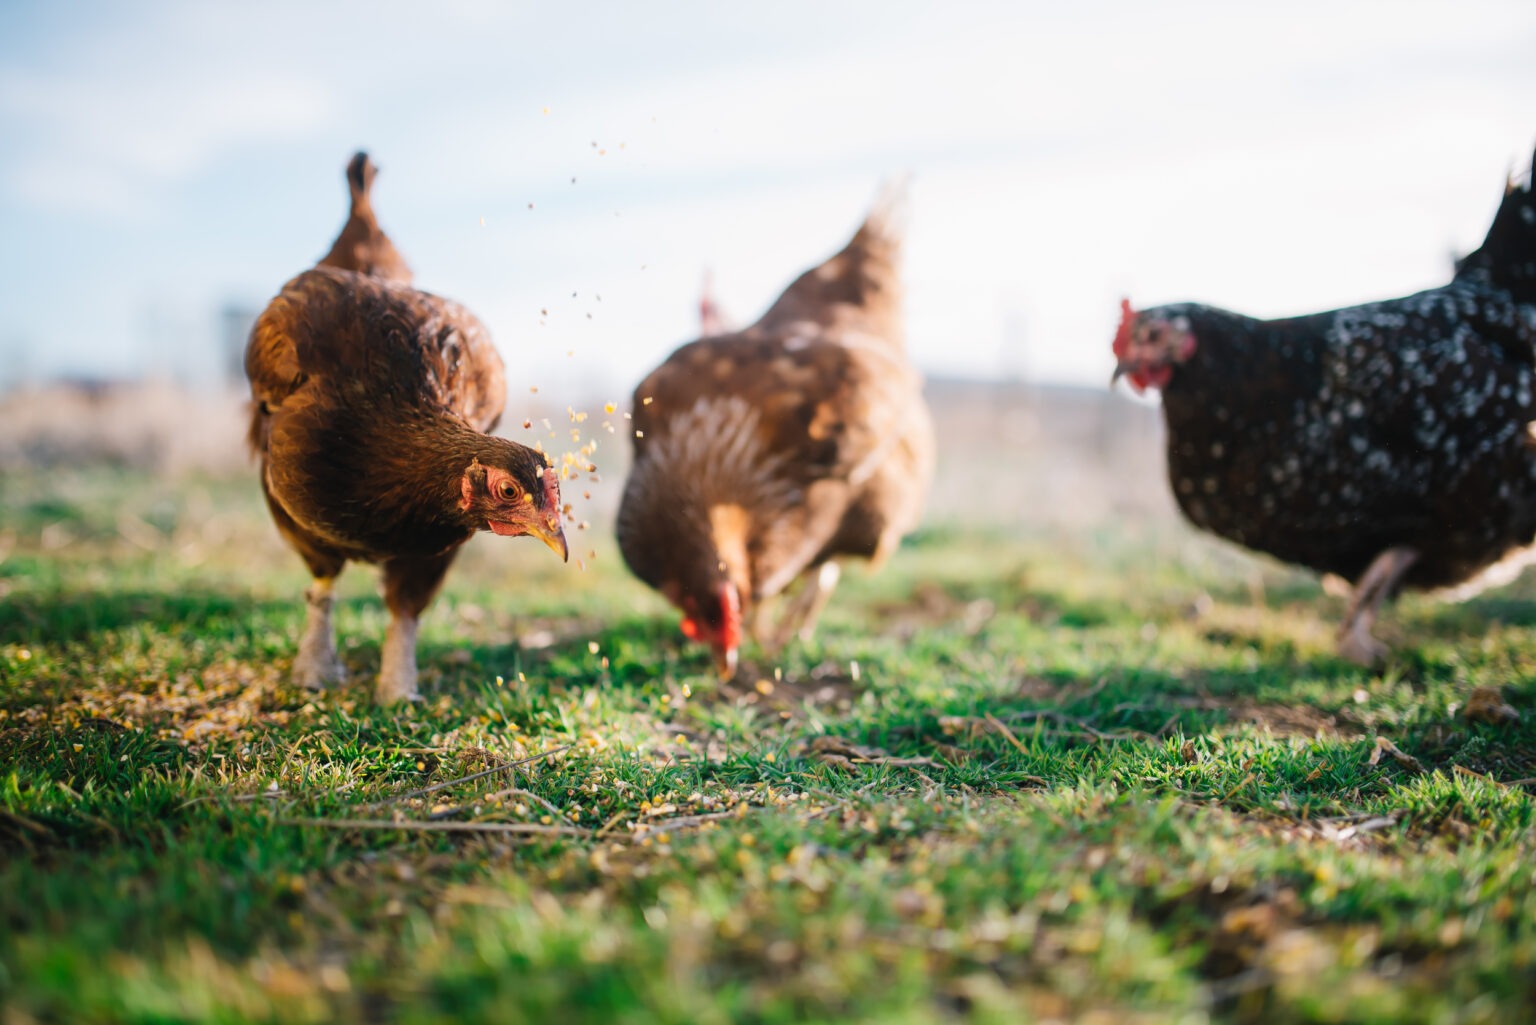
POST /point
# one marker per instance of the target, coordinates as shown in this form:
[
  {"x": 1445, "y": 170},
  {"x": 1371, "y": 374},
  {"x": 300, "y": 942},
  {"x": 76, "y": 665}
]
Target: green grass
[{"x": 1112, "y": 775}]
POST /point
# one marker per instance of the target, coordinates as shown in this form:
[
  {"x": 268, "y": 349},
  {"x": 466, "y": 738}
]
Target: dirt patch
[
  {"x": 930, "y": 605},
  {"x": 220, "y": 701},
  {"x": 832, "y": 686},
  {"x": 1285, "y": 720},
  {"x": 1262, "y": 939},
  {"x": 1281, "y": 719},
  {"x": 1035, "y": 688}
]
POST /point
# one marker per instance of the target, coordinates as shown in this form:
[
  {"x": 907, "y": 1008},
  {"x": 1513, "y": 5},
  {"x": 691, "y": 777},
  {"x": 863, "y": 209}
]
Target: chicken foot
[
  {"x": 317, "y": 666},
  {"x": 1377, "y": 585}
]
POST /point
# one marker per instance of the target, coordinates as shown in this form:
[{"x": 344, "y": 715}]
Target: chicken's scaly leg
[
  {"x": 755, "y": 623},
  {"x": 409, "y": 584},
  {"x": 317, "y": 665},
  {"x": 397, "y": 661},
  {"x": 1377, "y": 584},
  {"x": 803, "y": 609}
]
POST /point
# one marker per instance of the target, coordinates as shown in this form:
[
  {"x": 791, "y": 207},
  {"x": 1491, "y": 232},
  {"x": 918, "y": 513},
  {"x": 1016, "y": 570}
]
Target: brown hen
[
  {"x": 371, "y": 403},
  {"x": 764, "y": 456}
]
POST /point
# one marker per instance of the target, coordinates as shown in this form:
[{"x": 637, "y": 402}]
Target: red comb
[{"x": 1123, "y": 334}]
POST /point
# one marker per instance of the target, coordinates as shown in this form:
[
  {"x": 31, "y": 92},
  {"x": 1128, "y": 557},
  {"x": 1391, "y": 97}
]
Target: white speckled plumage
[{"x": 1328, "y": 440}]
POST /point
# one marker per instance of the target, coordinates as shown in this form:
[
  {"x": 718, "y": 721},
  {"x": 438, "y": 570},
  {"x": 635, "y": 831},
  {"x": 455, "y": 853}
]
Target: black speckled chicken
[{"x": 1390, "y": 444}]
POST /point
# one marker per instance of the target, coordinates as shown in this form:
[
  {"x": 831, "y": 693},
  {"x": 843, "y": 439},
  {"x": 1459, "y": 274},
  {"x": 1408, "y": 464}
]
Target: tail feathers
[
  {"x": 360, "y": 173},
  {"x": 1507, "y": 257},
  {"x": 885, "y": 226},
  {"x": 1526, "y": 180},
  {"x": 859, "y": 287},
  {"x": 362, "y": 245}
]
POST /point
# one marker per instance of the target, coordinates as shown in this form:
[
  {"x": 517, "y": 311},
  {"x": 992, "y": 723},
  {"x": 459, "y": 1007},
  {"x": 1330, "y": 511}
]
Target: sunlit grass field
[{"x": 1111, "y": 774}]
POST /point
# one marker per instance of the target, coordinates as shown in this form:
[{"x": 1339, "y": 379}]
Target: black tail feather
[
  {"x": 360, "y": 172},
  {"x": 1507, "y": 256}
]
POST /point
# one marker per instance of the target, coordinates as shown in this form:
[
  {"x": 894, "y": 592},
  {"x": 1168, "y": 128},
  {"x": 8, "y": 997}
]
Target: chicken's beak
[
  {"x": 725, "y": 663},
  {"x": 552, "y": 534},
  {"x": 1130, "y": 366}
]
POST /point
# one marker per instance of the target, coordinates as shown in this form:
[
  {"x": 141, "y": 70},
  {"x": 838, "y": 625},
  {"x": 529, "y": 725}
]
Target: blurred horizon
[{"x": 571, "y": 176}]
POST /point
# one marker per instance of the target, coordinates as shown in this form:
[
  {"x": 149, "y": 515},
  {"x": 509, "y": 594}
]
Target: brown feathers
[
  {"x": 362, "y": 245},
  {"x": 371, "y": 403},
  {"x": 763, "y": 454}
]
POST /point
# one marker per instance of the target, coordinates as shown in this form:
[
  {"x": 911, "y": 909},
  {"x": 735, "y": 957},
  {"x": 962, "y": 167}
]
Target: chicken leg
[
  {"x": 1377, "y": 585},
  {"x": 803, "y": 608},
  {"x": 317, "y": 666},
  {"x": 397, "y": 660},
  {"x": 409, "y": 584}
]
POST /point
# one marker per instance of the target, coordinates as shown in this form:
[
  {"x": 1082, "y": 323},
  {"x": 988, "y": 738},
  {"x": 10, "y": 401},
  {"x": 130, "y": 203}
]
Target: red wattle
[{"x": 730, "y": 617}]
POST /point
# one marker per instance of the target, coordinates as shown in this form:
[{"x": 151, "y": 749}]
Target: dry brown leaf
[
  {"x": 1258, "y": 921},
  {"x": 1487, "y": 704},
  {"x": 838, "y": 751}
]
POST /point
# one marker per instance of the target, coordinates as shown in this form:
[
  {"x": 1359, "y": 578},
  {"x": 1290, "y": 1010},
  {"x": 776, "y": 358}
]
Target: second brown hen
[{"x": 765, "y": 456}]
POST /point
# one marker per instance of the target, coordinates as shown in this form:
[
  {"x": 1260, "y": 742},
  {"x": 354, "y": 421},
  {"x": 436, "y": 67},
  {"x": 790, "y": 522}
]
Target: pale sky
[{"x": 160, "y": 160}]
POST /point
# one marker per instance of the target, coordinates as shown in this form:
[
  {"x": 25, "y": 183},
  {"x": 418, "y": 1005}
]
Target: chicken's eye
[{"x": 507, "y": 490}]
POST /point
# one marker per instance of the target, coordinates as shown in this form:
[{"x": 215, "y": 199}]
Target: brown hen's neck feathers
[
  {"x": 730, "y": 529},
  {"x": 678, "y": 553},
  {"x": 701, "y": 495},
  {"x": 419, "y": 464}
]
